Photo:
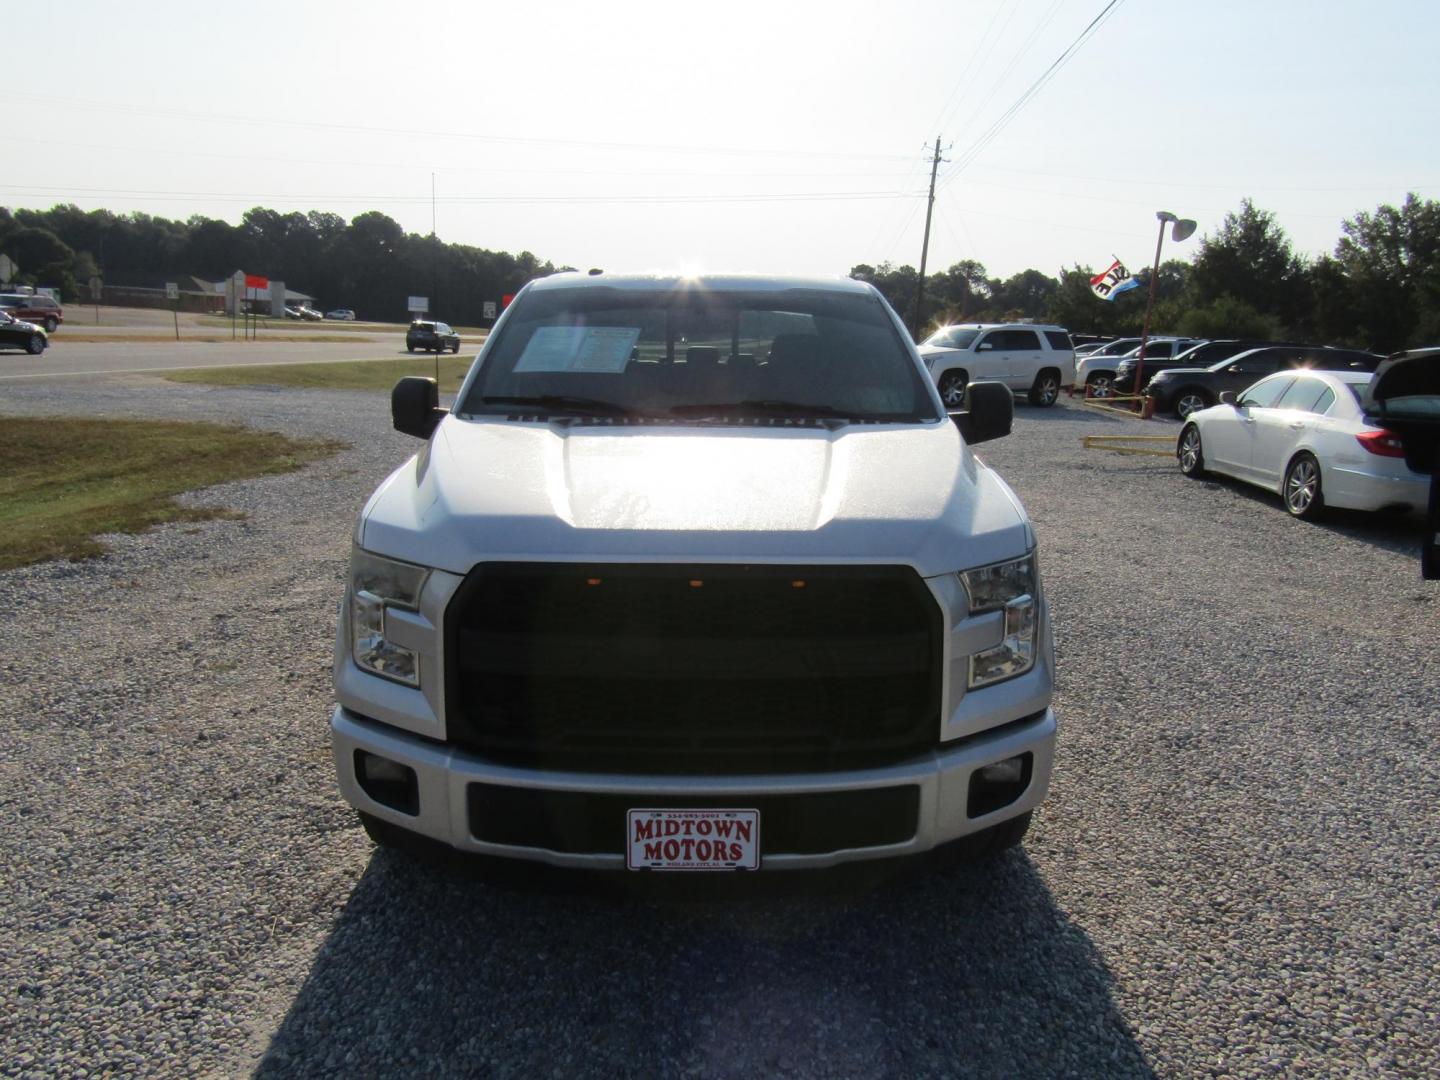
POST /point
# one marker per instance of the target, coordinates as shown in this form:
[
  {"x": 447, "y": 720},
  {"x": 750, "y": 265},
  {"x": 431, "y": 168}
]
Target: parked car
[
  {"x": 1213, "y": 351},
  {"x": 35, "y": 308},
  {"x": 1160, "y": 353},
  {"x": 309, "y": 314},
  {"x": 1035, "y": 360},
  {"x": 431, "y": 336},
  {"x": 696, "y": 575},
  {"x": 1183, "y": 390},
  {"x": 1304, "y": 436},
  {"x": 1097, "y": 369},
  {"x": 18, "y": 334},
  {"x": 341, "y": 313}
]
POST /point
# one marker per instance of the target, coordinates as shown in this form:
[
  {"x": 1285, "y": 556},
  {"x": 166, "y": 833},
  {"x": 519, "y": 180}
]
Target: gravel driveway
[{"x": 1236, "y": 872}]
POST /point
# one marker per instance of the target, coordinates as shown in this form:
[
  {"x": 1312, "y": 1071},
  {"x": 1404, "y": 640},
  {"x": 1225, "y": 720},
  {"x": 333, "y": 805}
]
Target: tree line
[
  {"x": 1380, "y": 289},
  {"x": 369, "y": 264}
]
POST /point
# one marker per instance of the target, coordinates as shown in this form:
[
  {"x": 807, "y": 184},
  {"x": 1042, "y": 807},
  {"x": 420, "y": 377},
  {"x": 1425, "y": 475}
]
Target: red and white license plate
[{"x": 659, "y": 839}]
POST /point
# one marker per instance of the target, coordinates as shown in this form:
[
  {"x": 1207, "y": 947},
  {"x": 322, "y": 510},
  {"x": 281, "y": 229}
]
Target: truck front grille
[{"x": 693, "y": 669}]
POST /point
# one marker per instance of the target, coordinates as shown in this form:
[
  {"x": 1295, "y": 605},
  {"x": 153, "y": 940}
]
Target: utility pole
[
  {"x": 925, "y": 245},
  {"x": 434, "y": 273}
]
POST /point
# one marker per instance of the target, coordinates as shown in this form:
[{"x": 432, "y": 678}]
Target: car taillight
[{"x": 1384, "y": 443}]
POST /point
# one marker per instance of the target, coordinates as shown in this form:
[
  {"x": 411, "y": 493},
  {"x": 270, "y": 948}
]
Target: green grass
[
  {"x": 64, "y": 481},
  {"x": 339, "y": 375}
]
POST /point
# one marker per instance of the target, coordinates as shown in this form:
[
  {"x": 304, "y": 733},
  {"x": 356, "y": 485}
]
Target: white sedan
[{"x": 1302, "y": 435}]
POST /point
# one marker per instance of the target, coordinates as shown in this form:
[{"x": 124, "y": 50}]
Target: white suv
[{"x": 1035, "y": 360}]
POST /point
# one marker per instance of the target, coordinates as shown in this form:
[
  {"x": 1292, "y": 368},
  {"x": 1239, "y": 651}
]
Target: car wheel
[
  {"x": 952, "y": 388},
  {"x": 394, "y": 838},
  {"x": 1301, "y": 490},
  {"x": 1046, "y": 389},
  {"x": 1190, "y": 401},
  {"x": 1101, "y": 384},
  {"x": 1190, "y": 453},
  {"x": 36, "y": 345},
  {"x": 987, "y": 843},
  {"x": 50, "y": 325},
  {"x": 409, "y": 347},
  {"x": 455, "y": 348}
]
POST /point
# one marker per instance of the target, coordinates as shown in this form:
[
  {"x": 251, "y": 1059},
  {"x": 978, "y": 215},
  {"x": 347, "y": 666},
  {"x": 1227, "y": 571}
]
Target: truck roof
[{"x": 709, "y": 282}]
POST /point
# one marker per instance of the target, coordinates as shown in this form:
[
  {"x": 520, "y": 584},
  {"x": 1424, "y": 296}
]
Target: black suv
[
  {"x": 1183, "y": 390},
  {"x": 1159, "y": 355},
  {"x": 431, "y": 336}
]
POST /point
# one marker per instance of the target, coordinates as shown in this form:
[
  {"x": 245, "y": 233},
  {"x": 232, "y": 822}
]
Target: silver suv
[{"x": 1035, "y": 360}]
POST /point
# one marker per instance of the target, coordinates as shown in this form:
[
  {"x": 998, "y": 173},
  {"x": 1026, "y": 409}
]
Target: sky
[{"x": 780, "y": 137}]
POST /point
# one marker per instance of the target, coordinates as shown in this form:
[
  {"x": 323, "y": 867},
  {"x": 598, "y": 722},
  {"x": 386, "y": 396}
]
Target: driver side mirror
[
  {"x": 1227, "y": 397},
  {"x": 989, "y": 412},
  {"x": 415, "y": 406}
]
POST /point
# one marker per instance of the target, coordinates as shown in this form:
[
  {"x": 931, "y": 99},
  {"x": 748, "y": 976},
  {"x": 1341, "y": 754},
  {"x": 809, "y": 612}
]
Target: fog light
[
  {"x": 997, "y": 785},
  {"x": 1003, "y": 772},
  {"x": 388, "y": 782}
]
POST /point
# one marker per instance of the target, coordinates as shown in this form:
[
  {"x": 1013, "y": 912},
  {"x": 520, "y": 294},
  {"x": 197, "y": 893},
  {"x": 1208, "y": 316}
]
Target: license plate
[{"x": 661, "y": 839}]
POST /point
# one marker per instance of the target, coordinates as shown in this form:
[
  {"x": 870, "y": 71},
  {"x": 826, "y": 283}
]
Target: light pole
[{"x": 1183, "y": 229}]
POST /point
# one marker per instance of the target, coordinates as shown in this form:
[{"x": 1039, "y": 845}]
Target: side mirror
[
  {"x": 1227, "y": 397},
  {"x": 989, "y": 412},
  {"x": 415, "y": 406}
]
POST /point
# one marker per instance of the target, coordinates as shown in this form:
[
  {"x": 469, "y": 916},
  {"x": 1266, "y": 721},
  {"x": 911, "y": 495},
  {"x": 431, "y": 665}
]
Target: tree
[
  {"x": 1250, "y": 258},
  {"x": 1389, "y": 262}
]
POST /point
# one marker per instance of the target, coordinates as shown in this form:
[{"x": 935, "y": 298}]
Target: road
[{"x": 64, "y": 360}]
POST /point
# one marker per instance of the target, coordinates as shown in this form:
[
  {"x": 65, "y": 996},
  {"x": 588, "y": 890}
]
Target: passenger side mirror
[
  {"x": 1227, "y": 397},
  {"x": 989, "y": 412},
  {"x": 415, "y": 406}
]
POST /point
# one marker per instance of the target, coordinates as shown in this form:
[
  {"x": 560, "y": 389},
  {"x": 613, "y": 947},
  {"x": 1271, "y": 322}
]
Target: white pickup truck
[{"x": 697, "y": 574}]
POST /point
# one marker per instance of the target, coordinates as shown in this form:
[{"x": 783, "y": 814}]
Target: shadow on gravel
[
  {"x": 436, "y": 969},
  {"x": 1400, "y": 533}
]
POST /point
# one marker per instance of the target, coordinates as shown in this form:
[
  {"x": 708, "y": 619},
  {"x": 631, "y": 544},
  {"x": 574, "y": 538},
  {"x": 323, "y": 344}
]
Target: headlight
[
  {"x": 376, "y": 586},
  {"x": 1009, "y": 587}
]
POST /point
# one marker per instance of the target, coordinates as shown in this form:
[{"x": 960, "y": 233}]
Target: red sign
[
  {"x": 255, "y": 281},
  {"x": 505, "y": 300}
]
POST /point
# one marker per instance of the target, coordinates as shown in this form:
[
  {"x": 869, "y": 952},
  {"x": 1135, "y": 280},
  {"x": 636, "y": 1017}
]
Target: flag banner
[{"x": 1113, "y": 282}]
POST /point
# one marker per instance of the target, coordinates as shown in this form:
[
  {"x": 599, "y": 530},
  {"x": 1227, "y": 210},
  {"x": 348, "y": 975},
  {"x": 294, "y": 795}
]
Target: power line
[
  {"x": 415, "y": 133},
  {"x": 1024, "y": 99}
]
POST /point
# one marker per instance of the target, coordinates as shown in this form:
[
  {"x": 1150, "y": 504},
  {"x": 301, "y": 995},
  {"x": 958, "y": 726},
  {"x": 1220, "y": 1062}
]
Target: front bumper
[{"x": 942, "y": 779}]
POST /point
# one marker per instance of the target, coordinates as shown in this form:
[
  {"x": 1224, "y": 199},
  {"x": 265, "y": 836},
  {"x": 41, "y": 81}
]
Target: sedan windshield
[
  {"x": 687, "y": 353},
  {"x": 952, "y": 338}
]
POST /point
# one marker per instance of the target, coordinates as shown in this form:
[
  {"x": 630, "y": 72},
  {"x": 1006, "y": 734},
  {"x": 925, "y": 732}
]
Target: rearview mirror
[
  {"x": 1227, "y": 397},
  {"x": 989, "y": 412},
  {"x": 415, "y": 406}
]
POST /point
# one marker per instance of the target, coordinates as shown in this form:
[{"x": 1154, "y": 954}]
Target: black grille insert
[
  {"x": 576, "y": 822},
  {"x": 666, "y": 668}
]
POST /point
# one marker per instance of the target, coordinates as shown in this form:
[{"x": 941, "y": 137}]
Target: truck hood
[{"x": 495, "y": 490}]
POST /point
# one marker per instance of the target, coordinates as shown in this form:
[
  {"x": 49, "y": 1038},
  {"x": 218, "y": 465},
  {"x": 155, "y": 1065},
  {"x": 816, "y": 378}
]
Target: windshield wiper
[
  {"x": 579, "y": 406},
  {"x": 776, "y": 407}
]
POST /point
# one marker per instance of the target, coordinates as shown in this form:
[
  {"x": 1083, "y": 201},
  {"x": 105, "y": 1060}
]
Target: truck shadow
[{"x": 965, "y": 972}]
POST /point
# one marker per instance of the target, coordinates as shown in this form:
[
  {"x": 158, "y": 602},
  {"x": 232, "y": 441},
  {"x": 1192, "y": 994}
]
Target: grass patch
[
  {"x": 65, "y": 481},
  {"x": 337, "y": 375}
]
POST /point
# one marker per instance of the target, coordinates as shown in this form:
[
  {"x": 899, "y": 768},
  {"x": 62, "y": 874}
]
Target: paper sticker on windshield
[{"x": 604, "y": 349}]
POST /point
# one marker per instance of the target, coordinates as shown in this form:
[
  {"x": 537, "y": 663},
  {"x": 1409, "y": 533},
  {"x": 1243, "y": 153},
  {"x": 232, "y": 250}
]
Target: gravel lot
[{"x": 1235, "y": 875}]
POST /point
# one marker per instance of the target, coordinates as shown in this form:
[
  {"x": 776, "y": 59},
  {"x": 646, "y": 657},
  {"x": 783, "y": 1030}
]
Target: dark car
[
  {"x": 37, "y": 308},
  {"x": 431, "y": 336},
  {"x": 1159, "y": 355},
  {"x": 15, "y": 334},
  {"x": 1183, "y": 390},
  {"x": 1212, "y": 352}
]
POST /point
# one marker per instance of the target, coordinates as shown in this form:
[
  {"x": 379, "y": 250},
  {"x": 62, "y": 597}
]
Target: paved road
[
  {"x": 1235, "y": 874},
  {"x": 117, "y": 357}
]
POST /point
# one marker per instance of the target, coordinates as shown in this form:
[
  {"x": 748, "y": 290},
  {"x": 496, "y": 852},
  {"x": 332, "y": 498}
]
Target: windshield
[
  {"x": 952, "y": 338},
  {"x": 689, "y": 353}
]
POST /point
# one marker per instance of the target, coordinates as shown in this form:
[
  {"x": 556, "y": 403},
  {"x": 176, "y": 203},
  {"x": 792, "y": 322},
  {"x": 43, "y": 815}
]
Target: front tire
[
  {"x": 409, "y": 347},
  {"x": 952, "y": 388},
  {"x": 51, "y": 324},
  {"x": 1046, "y": 390},
  {"x": 1189, "y": 401},
  {"x": 1190, "y": 453},
  {"x": 1101, "y": 384},
  {"x": 36, "y": 345},
  {"x": 1301, "y": 490},
  {"x": 455, "y": 348}
]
